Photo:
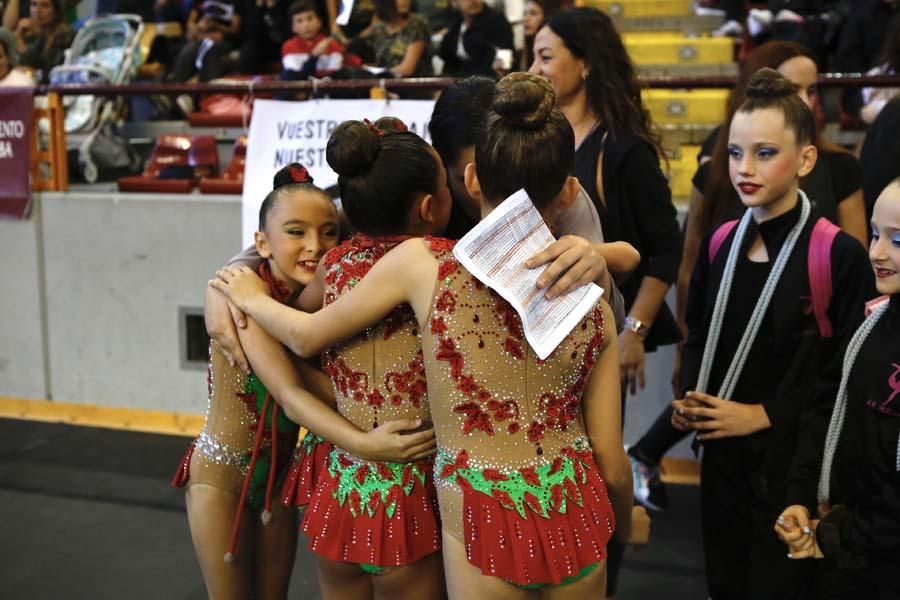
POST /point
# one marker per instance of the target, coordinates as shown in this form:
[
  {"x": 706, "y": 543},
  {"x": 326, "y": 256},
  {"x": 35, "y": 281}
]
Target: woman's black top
[{"x": 636, "y": 208}]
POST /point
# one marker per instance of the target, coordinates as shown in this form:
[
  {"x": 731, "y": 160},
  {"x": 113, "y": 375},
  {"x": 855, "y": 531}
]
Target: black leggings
[{"x": 659, "y": 439}]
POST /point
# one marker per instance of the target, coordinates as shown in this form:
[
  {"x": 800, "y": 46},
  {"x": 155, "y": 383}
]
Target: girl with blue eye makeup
[
  {"x": 756, "y": 341},
  {"x": 855, "y": 529}
]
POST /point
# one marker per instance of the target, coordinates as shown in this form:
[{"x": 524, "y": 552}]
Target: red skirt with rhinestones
[
  {"x": 310, "y": 460},
  {"x": 395, "y": 525},
  {"x": 538, "y": 549}
]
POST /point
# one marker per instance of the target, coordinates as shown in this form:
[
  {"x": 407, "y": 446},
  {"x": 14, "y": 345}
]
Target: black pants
[
  {"x": 832, "y": 583},
  {"x": 744, "y": 558},
  {"x": 215, "y": 62},
  {"x": 659, "y": 439}
]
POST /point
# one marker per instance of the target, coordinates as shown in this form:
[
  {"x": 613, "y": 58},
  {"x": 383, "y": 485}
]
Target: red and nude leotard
[
  {"x": 235, "y": 448},
  {"x": 378, "y": 513},
  {"x": 515, "y": 473}
]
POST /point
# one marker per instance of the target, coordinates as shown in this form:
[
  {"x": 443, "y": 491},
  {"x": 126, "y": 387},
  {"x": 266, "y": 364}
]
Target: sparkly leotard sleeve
[
  {"x": 515, "y": 473},
  {"x": 377, "y": 513}
]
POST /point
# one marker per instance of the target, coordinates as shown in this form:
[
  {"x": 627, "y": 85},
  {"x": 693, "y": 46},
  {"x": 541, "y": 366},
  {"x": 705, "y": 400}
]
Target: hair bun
[
  {"x": 352, "y": 148},
  {"x": 524, "y": 99},
  {"x": 769, "y": 83},
  {"x": 292, "y": 174}
]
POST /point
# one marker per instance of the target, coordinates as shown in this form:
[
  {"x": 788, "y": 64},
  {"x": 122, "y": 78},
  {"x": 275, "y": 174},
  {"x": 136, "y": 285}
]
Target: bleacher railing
[{"x": 377, "y": 88}]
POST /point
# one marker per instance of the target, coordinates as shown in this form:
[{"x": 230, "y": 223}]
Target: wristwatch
[{"x": 636, "y": 326}]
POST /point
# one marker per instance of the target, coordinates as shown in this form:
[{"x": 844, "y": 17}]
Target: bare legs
[
  {"x": 422, "y": 580},
  {"x": 465, "y": 581},
  {"x": 265, "y": 554}
]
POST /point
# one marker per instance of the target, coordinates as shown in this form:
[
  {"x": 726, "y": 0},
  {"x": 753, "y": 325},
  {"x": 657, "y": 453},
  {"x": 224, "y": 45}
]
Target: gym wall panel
[
  {"x": 21, "y": 347},
  {"x": 119, "y": 267}
]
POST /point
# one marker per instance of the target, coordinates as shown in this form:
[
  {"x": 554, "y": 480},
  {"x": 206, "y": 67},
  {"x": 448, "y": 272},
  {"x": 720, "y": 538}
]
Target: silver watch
[{"x": 636, "y": 326}]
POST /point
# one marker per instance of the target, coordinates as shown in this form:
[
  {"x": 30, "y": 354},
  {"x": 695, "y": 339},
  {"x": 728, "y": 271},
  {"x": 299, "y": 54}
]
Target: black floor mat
[{"x": 88, "y": 513}]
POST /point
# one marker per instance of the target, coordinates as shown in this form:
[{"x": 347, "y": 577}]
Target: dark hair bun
[
  {"x": 769, "y": 83},
  {"x": 524, "y": 100},
  {"x": 292, "y": 174},
  {"x": 352, "y": 148}
]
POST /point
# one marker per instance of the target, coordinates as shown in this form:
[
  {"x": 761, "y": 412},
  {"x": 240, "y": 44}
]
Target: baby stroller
[{"x": 105, "y": 50}]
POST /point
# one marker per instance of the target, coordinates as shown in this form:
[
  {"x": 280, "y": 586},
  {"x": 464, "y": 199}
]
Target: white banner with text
[{"x": 283, "y": 132}]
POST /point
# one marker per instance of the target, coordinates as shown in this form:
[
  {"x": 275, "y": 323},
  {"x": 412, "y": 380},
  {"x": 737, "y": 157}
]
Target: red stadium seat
[
  {"x": 232, "y": 179},
  {"x": 175, "y": 165}
]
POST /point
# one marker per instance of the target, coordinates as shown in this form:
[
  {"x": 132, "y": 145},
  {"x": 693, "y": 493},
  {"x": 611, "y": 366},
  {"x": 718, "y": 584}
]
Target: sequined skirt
[
  {"x": 383, "y": 514},
  {"x": 310, "y": 460},
  {"x": 536, "y": 525}
]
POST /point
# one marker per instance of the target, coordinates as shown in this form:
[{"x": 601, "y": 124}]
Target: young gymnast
[
  {"x": 857, "y": 528},
  {"x": 525, "y": 509},
  {"x": 760, "y": 327},
  {"x": 247, "y": 439}
]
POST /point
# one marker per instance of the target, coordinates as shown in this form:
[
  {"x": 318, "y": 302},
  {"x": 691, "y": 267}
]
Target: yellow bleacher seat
[
  {"x": 697, "y": 107},
  {"x": 668, "y": 49},
  {"x": 681, "y": 171},
  {"x": 641, "y": 8}
]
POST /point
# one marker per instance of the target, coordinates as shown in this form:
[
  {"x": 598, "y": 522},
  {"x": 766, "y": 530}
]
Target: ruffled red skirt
[
  {"x": 308, "y": 464},
  {"x": 373, "y": 536},
  {"x": 538, "y": 549}
]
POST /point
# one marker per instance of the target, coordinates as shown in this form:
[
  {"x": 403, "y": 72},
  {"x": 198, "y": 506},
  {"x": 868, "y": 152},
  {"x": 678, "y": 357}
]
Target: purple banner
[{"x": 16, "y": 126}]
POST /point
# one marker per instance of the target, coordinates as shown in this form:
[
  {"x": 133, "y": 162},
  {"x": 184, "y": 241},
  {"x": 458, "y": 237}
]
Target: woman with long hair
[{"x": 617, "y": 163}]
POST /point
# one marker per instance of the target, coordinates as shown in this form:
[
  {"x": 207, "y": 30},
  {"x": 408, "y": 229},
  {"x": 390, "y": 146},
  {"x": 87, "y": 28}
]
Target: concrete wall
[
  {"x": 22, "y": 364},
  {"x": 117, "y": 268}
]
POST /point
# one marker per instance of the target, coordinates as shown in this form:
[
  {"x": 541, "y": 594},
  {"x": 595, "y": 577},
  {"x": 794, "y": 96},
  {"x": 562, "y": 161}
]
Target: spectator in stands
[
  {"x": 617, "y": 162},
  {"x": 266, "y": 28},
  {"x": 535, "y": 16},
  {"x": 310, "y": 51},
  {"x": 471, "y": 43},
  {"x": 874, "y": 99},
  {"x": 860, "y": 44},
  {"x": 41, "y": 38},
  {"x": 438, "y": 14},
  {"x": 212, "y": 30},
  {"x": 880, "y": 156},
  {"x": 9, "y": 59},
  {"x": 399, "y": 39},
  {"x": 360, "y": 18}
]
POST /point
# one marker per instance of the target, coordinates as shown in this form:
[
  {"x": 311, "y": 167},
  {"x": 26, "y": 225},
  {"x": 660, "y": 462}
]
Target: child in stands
[{"x": 310, "y": 51}]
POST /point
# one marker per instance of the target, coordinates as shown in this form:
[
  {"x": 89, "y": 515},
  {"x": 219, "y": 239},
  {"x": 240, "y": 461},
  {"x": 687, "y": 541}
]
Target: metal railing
[{"x": 416, "y": 83}]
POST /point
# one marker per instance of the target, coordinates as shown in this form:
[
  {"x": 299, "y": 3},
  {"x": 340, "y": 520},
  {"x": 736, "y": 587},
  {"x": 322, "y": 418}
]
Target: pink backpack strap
[
  {"x": 871, "y": 305},
  {"x": 718, "y": 238},
  {"x": 819, "y": 265}
]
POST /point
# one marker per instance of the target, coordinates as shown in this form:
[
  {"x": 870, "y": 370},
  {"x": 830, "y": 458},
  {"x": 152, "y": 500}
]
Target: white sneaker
[
  {"x": 759, "y": 21},
  {"x": 729, "y": 29}
]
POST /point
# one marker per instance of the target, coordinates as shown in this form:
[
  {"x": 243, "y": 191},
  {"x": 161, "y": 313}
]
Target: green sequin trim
[
  {"x": 310, "y": 441},
  {"x": 565, "y": 581},
  {"x": 544, "y": 489},
  {"x": 366, "y": 485},
  {"x": 372, "y": 569}
]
